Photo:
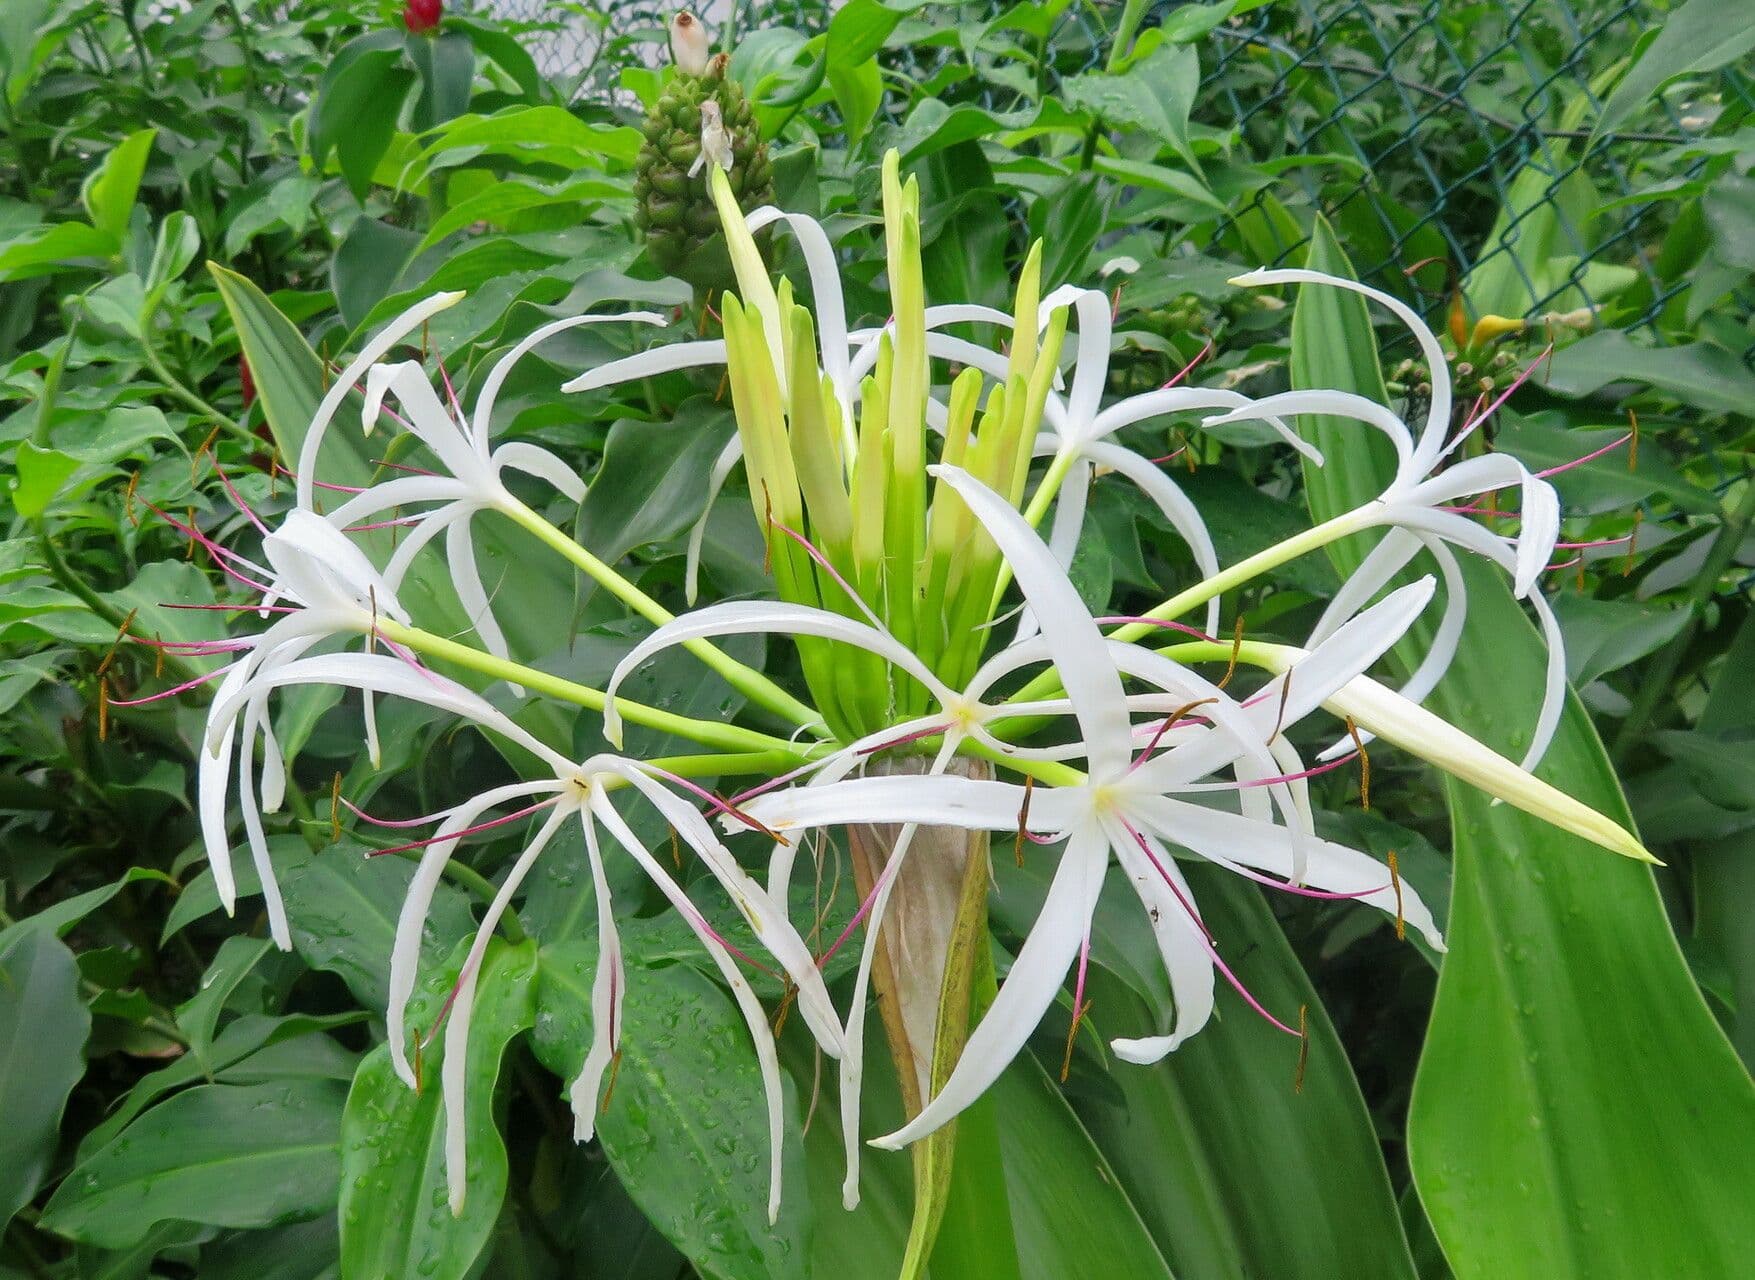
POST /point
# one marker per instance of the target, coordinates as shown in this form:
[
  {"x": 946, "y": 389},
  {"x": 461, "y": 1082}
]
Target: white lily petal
[
  {"x": 649, "y": 364},
  {"x": 1072, "y": 636},
  {"x": 1042, "y": 962},
  {"x": 411, "y": 920},
  {"x": 1183, "y": 515},
  {"x": 746, "y": 617},
  {"x": 1167, "y": 400},
  {"x": 1180, "y": 947},
  {"x": 607, "y": 988},
  {"x": 370, "y": 354},
  {"x": 948, "y": 801},
  {"x": 533, "y": 460},
  {"x": 402, "y": 491},
  {"x": 1227, "y": 839},
  {"x": 1063, "y": 537},
  {"x": 482, "y": 423},
  {"x": 323, "y": 568},
  {"x": 1438, "y": 413},
  {"x": 766, "y": 1057},
  {"x": 1345, "y": 404},
  {"x": 825, "y": 284},
  {"x": 417, "y": 536},
  {"x": 471, "y": 594},
  {"x": 213, "y": 772},
  {"x": 1091, "y": 363},
  {"x": 454, "y": 1071},
  {"x": 249, "y": 805}
]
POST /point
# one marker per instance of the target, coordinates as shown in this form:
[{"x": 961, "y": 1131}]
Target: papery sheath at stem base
[{"x": 931, "y": 940}]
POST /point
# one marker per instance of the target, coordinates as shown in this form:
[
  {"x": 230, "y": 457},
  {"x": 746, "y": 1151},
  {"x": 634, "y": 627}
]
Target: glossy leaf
[
  {"x": 1577, "y": 1112},
  {"x": 43, "y": 1028},
  {"x": 1700, "y": 36},
  {"x": 685, "y": 1125},
  {"x": 230, "y": 1156},
  {"x": 395, "y": 1216}
]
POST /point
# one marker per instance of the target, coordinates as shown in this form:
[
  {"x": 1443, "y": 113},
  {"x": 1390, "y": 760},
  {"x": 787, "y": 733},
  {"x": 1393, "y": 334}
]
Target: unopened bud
[
  {"x": 688, "y": 43},
  {"x": 421, "y": 16}
]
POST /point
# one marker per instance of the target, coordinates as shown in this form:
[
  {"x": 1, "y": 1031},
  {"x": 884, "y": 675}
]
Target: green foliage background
[{"x": 232, "y": 183}]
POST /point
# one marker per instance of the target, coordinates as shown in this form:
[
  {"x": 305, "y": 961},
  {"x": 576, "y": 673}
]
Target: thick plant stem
[
  {"x": 1655, "y": 683},
  {"x": 721, "y": 737},
  {"x": 745, "y": 679}
]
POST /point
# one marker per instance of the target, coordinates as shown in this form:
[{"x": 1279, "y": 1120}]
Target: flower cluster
[{"x": 900, "y": 509}]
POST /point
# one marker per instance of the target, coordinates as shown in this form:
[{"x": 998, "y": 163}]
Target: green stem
[
  {"x": 755, "y": 686},
  {"x": 1132, "y": 14},
  {"x": 723, "y": 737},
  {"x": 177, "y": 390},
  {"x": 1047, "y": 684},
  {"x": 1654, "y": 683}
]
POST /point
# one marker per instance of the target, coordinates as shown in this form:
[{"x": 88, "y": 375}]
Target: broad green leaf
[
  {"x": 1695, "y": 373},
  {"x": 367, "y": 265},
  {"x": 685, "y": 1125},
  {"x": 342, "y": 906},
  {"x": 1154, "y": 95},
  {"x": 1201, "y": 1140},
  {"x": 198, "y": 1016},
  {"x": 1612, "y": 482},
  {"x": 179, "y": 240},
  {"x": 225, "y": 1155},
  {"x": 287, "y": 373},
  {"x": 545, "y": 134},
  {"x": 40, "y": 475},
  {"x": 1605, "y": 635},
  {"x": 61, "y": 916},
  {"x": 396, "y": 1218},
  {"x": 43, "y": 251},
  {"x": 357, "y": 106},
  {"x": 111, "y": 190},
  {"x": 43, "y": 1027},
  {"x": 1699, "y": 37},
  {"x": 1577, "y": 1111},
  {"x": 302, "y": 1251}
]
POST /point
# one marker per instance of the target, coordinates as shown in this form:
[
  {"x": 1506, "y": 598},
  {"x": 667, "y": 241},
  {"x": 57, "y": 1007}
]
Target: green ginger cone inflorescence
[{"x": 701, "y": 119}]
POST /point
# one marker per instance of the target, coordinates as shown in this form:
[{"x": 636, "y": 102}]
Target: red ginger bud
[{"x": 421, "y": 16}]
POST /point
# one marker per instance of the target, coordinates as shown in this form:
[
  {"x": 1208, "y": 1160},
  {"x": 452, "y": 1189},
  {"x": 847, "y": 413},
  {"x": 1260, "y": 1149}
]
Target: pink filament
[
  {"x": 1119, "y": 619},
  {"x": 238, "y": 500},
  {"x": 168, "y": 693},
  {"x": 467, "y": 831},
  {"x": 1188, "y": 368},
  {"x": 829, "y": 569},
  {"x": 906, "y": 738},
  {"x": 1589, "y": 457}
]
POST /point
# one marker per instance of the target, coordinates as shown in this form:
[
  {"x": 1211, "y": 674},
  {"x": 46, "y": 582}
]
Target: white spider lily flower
[
  {"x": 472, "y": 477},
  {"x": 1121, "y": 808},
  {"x": 1419, "y": 499},
  {"x": 328, "y": 589},
  {"x": 580, "y": 790}
]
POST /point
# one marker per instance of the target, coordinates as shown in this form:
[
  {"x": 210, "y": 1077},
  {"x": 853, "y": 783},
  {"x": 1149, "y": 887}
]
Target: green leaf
[
  {"x": 686, "y": 1125},
  {"x": 63, "y": 915},
  {"x": 225, "y": 1155},
  {"x": 287, "y": 373},
  {"x": 43, "y": 251},
  {"x": 1701, "y": 36},
  {"x": 302, "y": 1251},
  {"x": 1606, "y": 635},
  {"x": 198, "y": 1016},
  {"x": 41, "y": 475},
  {"x": 110, "y": 192},
  {"x": 1696, "y": 373},
  {"x": 1577, "y": 1111},
  {"x": 179, "y": 240},
  {"x": 43, "y": 1027},
  {"x": 395, "y": 1215},
  {"x": 1154, "y": 95},
  {"x": 343, "y": 908},
  {"x": 367, "y": 265},
  {"x": 357, "y": 106}
]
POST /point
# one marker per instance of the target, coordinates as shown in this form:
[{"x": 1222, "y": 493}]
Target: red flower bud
[
  {"x": 246, "y": 381},
  {"x": 421, "y": 16}
]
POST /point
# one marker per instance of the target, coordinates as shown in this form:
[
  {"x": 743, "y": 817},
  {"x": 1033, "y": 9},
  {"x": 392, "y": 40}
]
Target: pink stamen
[
  {"x": 398, "y": 522},
  {"x": 168, "y": 693},
  {"x": 1505, "y": 395},
  {"x": 450, "y": 392},
  {"x": 1249, "y": 873},
  {"x": 823, "y": 563},
  {"x": 399, "y": 823},
  {"x": 700, "y": 922},
  {"x": 858, "y": 916},
  {"x": 1122, "y": 619},
  {"x": 402, "y": 466},
  {"x": 221, "y": 556},
  {"x": 1558, "y": 565},
  {"x": 238, "y": 499},
  {"x": 467, "y": 831},
  {"x": 772, "y": 783},
  {"x": 1591, "y": 546},
  {"x": 323, "y": 484},
  {"x": 1482, "y": 511},
  {"x": 1169, "y": 457},
  {"x": 906, "y": 738},
  {"x": 718, "y": 805},
  {"x": 1188, "y": 368},
  {"x": 1589, "y": 457},
  {"x": 195, "y": 647}
]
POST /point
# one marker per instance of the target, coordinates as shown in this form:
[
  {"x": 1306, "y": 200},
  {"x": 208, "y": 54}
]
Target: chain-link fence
[{"x": 1452, "y": 140}]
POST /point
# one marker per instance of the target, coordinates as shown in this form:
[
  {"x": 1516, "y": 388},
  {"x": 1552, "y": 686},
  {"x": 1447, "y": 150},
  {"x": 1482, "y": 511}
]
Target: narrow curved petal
[
  {"x": 608, "y": 986},
  {"x": 454, "y": 1071},
  {"x": 825, "y": 284},
  {"x": 370, "y": 354},
  {"x": 746, "y": 617},
  {"x": 1063, "y": 537},
  {"x": 728, "y": 458},
  {"x": 426, "y": 416},
  {"x": 649, "y": 364},
  {"x": 1157, "y": 880},
  {"x": 1166, "y": 400},
  {"x": 1183, "y": 515},
  {"x": 950, "y": 801},
  {"x": 1438, "y": 414},
  {"x": 411, "y": 920},
  {"x": 1080, "y": 653},
  {"x": 533, "y": 460},
  {"x": 1042, "y": 962},
  {"x": 1343, "y": 404},
  {"x": 766, "y": 1057},
  {"x": 482, "y": 423},
  {"x": 466, "y": 578}
]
